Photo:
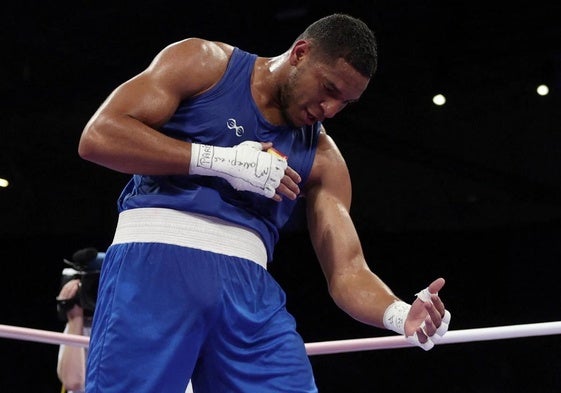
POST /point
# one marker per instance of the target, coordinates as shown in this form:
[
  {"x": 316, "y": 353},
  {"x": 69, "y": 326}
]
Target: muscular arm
[
  {"x": 352, "y": 285},
  {"x": 122, "y": 134}
]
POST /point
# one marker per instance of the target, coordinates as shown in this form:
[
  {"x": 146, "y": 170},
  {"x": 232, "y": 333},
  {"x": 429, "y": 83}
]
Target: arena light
[
  {"x": 439, "y": 100},
  {"x": 542, "y": 90}
]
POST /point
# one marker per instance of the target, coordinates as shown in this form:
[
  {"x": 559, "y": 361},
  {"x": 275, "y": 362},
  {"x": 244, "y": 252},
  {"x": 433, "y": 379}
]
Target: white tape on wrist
[
  {"x": 245, "y": 166},
  {"x": 394, "y": 319},
  {"x": 395, "y": 316}
]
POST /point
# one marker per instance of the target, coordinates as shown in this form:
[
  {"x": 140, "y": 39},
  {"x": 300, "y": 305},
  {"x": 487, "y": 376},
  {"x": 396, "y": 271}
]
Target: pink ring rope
[{"x": 327, "y": 347}]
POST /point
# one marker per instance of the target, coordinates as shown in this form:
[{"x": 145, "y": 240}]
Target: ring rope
[{"x": 327, "y": 347}]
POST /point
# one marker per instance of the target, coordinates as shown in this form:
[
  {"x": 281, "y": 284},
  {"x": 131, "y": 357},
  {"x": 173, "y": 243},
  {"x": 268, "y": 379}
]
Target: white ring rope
[
  {"x": 451, "y": 337},
  {"x": 327, "y": 347},
  {"x": 43, "y": 336}
]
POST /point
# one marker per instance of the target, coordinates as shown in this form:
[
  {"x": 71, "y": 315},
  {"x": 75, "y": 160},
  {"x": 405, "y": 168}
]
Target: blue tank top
[{"x": 226, "y": 115}]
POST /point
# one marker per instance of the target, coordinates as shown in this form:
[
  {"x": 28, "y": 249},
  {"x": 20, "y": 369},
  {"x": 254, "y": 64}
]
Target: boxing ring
[{"x": 327, "y": 347}]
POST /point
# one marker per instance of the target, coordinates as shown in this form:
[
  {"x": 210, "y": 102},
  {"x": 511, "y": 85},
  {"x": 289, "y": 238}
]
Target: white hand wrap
[
  {"x": 425, "y": 296},
  {"x": 395, "y": 316},
  {"x": 245, "y": 166}
]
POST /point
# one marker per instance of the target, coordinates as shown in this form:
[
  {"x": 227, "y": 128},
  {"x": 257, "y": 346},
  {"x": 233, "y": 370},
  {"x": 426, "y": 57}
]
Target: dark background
[{"x": 469, "y": 191}]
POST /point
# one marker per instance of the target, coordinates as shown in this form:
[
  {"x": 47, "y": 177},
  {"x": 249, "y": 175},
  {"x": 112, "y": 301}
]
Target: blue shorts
[{"x": 166, "y": 314}]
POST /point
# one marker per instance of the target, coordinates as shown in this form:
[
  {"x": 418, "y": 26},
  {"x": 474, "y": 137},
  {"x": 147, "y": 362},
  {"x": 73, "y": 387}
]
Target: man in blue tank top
[{"x": 220, "y": 144}]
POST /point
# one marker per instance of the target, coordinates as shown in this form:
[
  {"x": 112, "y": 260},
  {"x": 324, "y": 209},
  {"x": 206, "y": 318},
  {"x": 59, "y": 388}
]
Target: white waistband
[{"x": 158, "y": 225}]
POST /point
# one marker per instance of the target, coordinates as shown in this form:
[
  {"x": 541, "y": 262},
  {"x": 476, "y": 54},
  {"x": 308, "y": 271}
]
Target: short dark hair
[{"x": 340, "y": 35}]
